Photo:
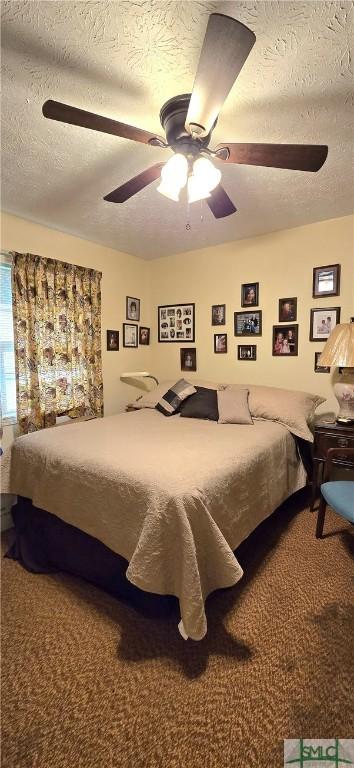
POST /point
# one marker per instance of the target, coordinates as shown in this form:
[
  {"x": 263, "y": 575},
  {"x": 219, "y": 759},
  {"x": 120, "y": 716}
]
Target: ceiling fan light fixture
[
  {"x": 208, "y": 176},
  {"x": 196, "y": 190}
]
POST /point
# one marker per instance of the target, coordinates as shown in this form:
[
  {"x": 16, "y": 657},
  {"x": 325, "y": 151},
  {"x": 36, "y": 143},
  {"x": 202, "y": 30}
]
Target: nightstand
[{"x": 329, "y": 435}]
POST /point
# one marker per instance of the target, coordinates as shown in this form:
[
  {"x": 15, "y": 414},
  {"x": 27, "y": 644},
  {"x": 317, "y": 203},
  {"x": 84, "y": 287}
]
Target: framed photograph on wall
[
  {"x": 246, "y": 352},
  {"x": 144, "y": 335},
  {"x": 130, "y": 335},
  {"x": 188, "y": 359},
  {"x": 322, "y": 322},
  {"x": 218, "y": 314},
  {"x": 249, "y": 295},
  {"x": 176, "y": 322},
  {"x": 133, "y": 308},
  {"x": 287, "y": 310},
  {"x": 220, "y": 343},
  {"x": 326, "y": 281},
  {"x": 248, "y": 323},
  {"x": 321, "y": 368},
  {"x": 285, "y": 340},
  {"x": 112, "y": 341}
]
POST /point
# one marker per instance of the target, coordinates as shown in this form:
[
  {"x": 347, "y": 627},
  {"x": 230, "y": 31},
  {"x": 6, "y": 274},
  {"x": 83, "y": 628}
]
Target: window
[{"x": 7, "y": 356}]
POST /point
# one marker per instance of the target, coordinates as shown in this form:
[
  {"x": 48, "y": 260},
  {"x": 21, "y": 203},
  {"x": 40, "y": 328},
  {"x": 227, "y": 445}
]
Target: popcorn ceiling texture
[{"x": 124, "y": 60}]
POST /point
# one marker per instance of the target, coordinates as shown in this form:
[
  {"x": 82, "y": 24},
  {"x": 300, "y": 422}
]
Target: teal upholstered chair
[{"x": 339, "y": 494}]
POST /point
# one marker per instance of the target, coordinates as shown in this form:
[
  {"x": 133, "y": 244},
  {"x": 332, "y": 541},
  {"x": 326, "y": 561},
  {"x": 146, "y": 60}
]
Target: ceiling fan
[{"x": 188, "y": 121}]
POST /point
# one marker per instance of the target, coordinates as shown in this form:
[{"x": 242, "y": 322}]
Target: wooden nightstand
[{"x": 329, "y": 435}]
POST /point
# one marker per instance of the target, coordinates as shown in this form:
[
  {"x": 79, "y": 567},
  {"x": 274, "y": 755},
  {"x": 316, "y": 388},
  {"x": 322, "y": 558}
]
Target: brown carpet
[{"x": 90, "y": 683}]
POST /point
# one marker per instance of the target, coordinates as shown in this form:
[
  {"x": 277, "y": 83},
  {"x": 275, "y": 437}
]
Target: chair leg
[{"x": 321, "y": 518}]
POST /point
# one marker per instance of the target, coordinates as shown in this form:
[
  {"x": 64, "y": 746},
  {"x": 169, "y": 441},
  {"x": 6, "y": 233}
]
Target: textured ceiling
[{"x": 124, "y": 60}]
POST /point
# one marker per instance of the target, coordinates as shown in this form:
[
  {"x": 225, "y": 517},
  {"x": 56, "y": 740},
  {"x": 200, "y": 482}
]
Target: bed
[{"x": 173, "y": 496}]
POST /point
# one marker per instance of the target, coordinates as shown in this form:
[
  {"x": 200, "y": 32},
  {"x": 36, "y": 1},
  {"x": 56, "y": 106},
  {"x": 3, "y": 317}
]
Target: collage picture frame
[{"x": 176, "y": 323}]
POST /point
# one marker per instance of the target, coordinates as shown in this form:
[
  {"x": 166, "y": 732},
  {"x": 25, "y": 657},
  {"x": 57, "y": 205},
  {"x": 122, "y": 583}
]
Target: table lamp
[{"x": 339, "y": 352}]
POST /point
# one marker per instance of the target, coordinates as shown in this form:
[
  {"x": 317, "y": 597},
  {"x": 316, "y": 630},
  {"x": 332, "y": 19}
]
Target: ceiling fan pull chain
[{"x": 188, "y": 224}]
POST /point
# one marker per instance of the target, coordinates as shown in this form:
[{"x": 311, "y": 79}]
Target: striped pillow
[{"x": 172, "y": 399}]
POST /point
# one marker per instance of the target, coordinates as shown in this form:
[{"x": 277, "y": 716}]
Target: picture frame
[
  {"x": 320, "y": 368},
  {"x": 220, "y": 343},
  {"x": 322, "y": 322},
  {"x": 176, "y": 323},
  {"x": 218, "y": 314},
  {"x": 130, "y": 335},
  {"x": 285, "y": 340},
  {"x": 288, "y": 310},
  {"x": 188, "y": 359},
  {"x": 326, "y": 281},
  {"x": 144, "y": 336},
  {"x": 248, "y": 323},
  {"x": 112, "y": 341},
  {"x": 247, "y": 352},
  {"x": 132, "y": 308},
  {"x": 249, "y": 294}
]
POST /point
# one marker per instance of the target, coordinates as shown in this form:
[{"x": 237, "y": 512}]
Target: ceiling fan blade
[
  {"x": 134, "y": 185},
  {"x": 226, "y": 46},
  {"x": 64, "y": 113},
  {"x": 296, "y": 157},
  {"x": 220, "y": 203}
]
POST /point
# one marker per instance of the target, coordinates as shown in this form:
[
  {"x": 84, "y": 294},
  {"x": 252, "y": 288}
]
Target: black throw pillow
[{"x": 202, "y": 405}]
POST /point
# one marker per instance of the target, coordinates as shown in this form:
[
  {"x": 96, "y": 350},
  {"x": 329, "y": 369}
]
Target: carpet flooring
[{"x": 88, "y": 682}]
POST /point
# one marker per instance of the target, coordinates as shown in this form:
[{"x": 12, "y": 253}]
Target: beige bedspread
[{"x": 174, "y": 496}]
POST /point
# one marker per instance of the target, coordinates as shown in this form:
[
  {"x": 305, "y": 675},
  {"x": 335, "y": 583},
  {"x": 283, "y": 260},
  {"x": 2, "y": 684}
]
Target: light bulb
[
  {"x": 196, "y": 190},
  {"x": 208, "y": 176}
]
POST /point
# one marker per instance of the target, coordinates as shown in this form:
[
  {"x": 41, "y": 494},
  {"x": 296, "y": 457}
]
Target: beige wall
[
  {"x": 282, "y": 263},
  {"x": 122, "y": 275}
]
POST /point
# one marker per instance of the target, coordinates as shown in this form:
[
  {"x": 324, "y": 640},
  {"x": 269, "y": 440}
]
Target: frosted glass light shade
[
  {"x": 169, "y": 190},
  {"x": 173, "y": 176},
  {"x": 208, "y": 176},
  {"x": 339, "y": 347},
  {"x": 175, "y": 170},
  {"x": 196, "y": 190}
]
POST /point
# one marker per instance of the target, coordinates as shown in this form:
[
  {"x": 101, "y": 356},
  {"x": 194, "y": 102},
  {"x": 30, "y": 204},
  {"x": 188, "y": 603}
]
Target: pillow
[
  {"x": 233, "y": 406},
  {"x": 202, "y": 405},
  {"x": 206, "y": 384},
  {"x": 289, "y": 407},
  {"x": 150, "y": 399},
  {"x": 173, "y": 398}
]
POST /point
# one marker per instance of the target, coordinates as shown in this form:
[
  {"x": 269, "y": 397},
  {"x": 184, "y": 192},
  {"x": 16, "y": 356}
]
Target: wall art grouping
[
  {"x": 176, "y": 323},
  {"x": 132, "y": 333}
]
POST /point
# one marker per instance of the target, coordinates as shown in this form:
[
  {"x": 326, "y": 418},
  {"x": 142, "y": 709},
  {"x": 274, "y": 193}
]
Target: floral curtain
[{"x": 57, "y": 331}]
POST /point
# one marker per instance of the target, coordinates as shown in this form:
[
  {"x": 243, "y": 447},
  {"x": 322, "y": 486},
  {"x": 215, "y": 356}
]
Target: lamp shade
[{"x": 339, "y": 347}]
